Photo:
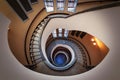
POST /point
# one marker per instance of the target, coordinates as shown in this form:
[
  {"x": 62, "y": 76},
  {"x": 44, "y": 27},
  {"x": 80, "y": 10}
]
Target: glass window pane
[
  {"x": 60, "y": 34},
  {"x": 66, "y": 33},
  {"x": 26, "y": 5},
  {"x": 60, "y": 4},
  {"x": 18, "y": 9},
  {"x": 33, "y": 1},
  {"x": 49, "y": 5},
  {"x": 72, "y": 5},
  {"x": 54, "y": 33},
  {"x": 60, "y": 30}
]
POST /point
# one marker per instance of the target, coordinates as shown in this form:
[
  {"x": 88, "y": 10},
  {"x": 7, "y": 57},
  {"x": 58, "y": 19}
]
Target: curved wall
[{"x": 104, "y": 24}]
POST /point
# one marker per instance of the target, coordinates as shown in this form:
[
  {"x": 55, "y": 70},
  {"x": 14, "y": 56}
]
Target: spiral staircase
[
  {"x": 79, "y": 50},
  {"x": 36, "y": 57},
  {"x": 39, "y": 60}
]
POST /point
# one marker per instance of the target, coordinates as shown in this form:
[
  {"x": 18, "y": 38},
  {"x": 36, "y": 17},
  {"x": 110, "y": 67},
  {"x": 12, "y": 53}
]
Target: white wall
[{"x": 104, "y": 24}]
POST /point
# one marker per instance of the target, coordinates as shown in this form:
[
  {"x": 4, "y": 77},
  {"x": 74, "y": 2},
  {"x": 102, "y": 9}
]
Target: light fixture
[{"x": 94, "y": 42}]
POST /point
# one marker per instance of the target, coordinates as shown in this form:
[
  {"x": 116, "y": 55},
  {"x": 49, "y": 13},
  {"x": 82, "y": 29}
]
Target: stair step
[
  {"x": 34, "y": 50},
  {"x": 43, "y": 23},
  {"x": 35, "y": 38},
  {"x": 36, "y": 53},
  {"x": 39, "y": 31},
  {"x": 34, "y": 42},
  {"x": 34, "y": 46},
  {"x": 46, "y": 20},
  {"x": 38, "y": 61},
  {"x": 33, "y": 55},
  {"x": 40, "y": 26},
  {"x": 37, "y": 57},
  {"x": 36, "y": 34}
]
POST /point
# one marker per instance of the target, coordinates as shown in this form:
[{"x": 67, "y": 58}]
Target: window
[
  {"x": 60, "y": 32},
  {"x": 83, "y": 34},
  {"x": 73, "y": 33},
  {"x": 78, "y": 33},
  {"x": 54, "y": 33},
  {"x": 60, "y": 4},
  {"x": 66, "y": 33},
  {"x": 72, "y": 5},
  {"x": 49, "y": 5},
  {"x": 26, "y": 5},
  {"x": 33, "y": 1},
  {"x": 18, "y": 9}
]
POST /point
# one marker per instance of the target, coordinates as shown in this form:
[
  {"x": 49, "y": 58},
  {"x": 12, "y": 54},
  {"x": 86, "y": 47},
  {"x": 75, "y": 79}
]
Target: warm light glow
[
  {"x": 92, "y": 40},
  {"x": 104, "y": 49},
  {"x": 100, "y": 44},
  {"x": 94, "y": 43}
]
